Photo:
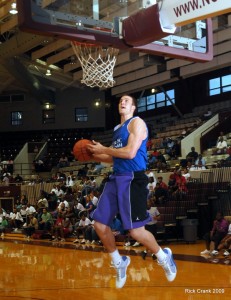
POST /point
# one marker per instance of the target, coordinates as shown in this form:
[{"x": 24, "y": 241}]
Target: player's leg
[
  {"x": 137, "y": 205},
  {"x": 103, "y": 215}
]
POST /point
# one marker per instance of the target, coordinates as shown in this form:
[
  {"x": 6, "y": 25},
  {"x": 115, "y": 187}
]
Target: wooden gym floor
[{"x": 40, "y": 269}]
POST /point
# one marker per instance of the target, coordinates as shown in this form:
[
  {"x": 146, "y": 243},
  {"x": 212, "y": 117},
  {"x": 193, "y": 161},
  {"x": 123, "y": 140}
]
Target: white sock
[
  {"x": 161, "y": 256},
  {"x": 116, "y": 258}
]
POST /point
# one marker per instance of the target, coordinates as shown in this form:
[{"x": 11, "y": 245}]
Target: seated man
[
  {"x": 192, "y": 156},
  {"x": 220, "y": 147},
  {"x": 46, "y": 220},
  {"x": 82, "y": 227},
  {"x": 214, "y": 237}
]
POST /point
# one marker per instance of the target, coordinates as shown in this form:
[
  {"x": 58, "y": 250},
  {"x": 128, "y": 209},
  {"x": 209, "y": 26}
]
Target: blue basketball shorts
[{"x": 125, "y": 194}]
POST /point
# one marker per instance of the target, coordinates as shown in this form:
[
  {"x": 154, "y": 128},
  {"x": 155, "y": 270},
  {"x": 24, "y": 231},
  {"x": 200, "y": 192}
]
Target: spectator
[
  {"x": 59, "y": 193},
  {"x": 23, "y": 213},
  {"x": 161, "y": 162},
  {"x": 215, "y": 236},
  {"x": 181, "y": 185},
  {"x": 160, "y": 194},
  {"x": 220, "y": 147},
  {"x": 200, "y": 163},
  {"x": 39, "y": 165},
  {"x": 151, "y": 186},
  {"x": 24, "y": 200},
  {"x": 91, "y": 235},
  {"x": 94, "y": 197},
  {"x": 15, "y": 219},
  {"x": 186, "y": 174},
  {"x": 30, "y": 209},
  {"x": 192, "y": 156},
  {"x": 58, "y": 229},
  {"x": 222, "y": 135},
  {"x": 89, "y": 207},
  {"x": 46, "y": 220},
  {"x": 81, "y": 228},
  {"x": 6, "y": 180},
  {"x": 169, "y": 148},
  {"x": 3, "y": 226},
  {"x": 31, "y": 226},
  {"x": 162, "y": 184},
  {"x": 18, "y": 178},
  {"x": 63, "y": 161},
  {"x": 149, "y": 173},
  {"x": 69, "y": 181},
  {"x": 153, "y": 158}
]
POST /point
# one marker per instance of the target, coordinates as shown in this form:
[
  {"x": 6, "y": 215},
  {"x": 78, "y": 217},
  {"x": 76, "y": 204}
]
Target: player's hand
[{"x": 96, "y": 148}]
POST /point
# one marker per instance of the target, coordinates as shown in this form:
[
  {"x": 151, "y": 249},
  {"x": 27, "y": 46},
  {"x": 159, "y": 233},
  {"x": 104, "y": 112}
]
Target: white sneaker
[
  {"x": 169, "y": 265},
  {"x": 121, "y": 270},
  {"x": 76, "y": 241},
  {"x": 226, "y": 253},
  {"x": 127, "y": 244},
  {"x": 83, "y": 241},
  {"x": 136, "y": 244},
  {"x": 93, "y": 242},
  {"x": 205, "y": 252},
  {"x": 88, "y": 242},
  {"x": 214, "y": 252}
]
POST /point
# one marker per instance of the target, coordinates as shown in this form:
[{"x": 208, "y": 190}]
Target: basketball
[{"x": 80, "y": 150}]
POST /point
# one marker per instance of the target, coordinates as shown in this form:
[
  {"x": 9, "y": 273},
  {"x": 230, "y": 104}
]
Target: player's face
[{"x": 126, "y": 105}]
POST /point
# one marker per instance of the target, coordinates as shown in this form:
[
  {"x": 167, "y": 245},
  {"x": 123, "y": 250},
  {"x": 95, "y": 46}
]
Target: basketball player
[{"x": 126, "y": 191}]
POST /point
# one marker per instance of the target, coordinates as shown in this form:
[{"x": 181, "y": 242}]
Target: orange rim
[{"x": 85, "y": 44}]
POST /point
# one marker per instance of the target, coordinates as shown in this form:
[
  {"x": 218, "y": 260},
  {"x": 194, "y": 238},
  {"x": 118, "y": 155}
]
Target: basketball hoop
[{"x": 97, "y": 63}]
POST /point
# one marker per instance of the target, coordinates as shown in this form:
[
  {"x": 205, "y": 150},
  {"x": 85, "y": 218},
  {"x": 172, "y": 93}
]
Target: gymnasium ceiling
[{"x": 133, "y": 71}]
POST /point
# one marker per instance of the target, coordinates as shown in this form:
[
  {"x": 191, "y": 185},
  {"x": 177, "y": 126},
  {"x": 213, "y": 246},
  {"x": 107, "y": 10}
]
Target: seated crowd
[{"x": 65, "y": 211}]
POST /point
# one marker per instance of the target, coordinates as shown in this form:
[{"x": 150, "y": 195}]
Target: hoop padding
[
  {"x": 97, "y": 63},
  {"x": 143, "y": 27}
]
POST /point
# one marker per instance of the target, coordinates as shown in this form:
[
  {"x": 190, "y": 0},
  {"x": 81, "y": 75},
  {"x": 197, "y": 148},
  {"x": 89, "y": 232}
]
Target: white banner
[{"x": 181, "y": 12}]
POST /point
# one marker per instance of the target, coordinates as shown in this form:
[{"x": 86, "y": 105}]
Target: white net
[{"x": 97, "y": 63}]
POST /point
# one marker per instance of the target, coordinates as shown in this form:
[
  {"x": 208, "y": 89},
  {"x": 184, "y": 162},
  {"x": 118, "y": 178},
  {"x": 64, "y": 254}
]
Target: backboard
[{"x": 130, "y": 25}]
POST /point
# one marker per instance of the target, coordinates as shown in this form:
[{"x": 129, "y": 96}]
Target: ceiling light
[
  {"x": 13, "y": 10},
  {"x": 48, "y": 72},
  {"x": 97, "y": 102}
]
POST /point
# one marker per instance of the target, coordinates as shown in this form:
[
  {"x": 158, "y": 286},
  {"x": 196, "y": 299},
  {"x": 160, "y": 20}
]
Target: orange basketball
[{"x": 80, "y": 150}]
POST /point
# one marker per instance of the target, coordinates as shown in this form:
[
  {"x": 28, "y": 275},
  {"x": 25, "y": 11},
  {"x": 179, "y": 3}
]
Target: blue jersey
[{"x": 120, "y": 140}]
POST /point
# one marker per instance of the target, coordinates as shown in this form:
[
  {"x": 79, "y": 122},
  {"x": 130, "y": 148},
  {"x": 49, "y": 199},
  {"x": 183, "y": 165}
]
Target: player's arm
[
  {"x": 138, "y": 132},
  {"x": 102, "y": 158}
]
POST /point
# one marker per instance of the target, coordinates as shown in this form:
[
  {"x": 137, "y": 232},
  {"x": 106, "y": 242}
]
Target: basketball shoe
[
  {"x": 121, "y": 270},
  {"x": 214, "y": 252},
  {"x": 205, "y": 252},
  {"x": 169, "y": 265}
]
